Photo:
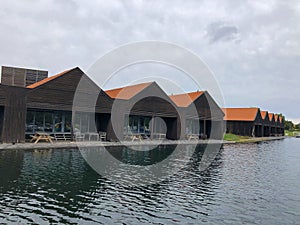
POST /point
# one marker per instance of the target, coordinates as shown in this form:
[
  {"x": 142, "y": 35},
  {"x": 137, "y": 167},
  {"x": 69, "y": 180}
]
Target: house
[
  {"x": 144, "y": 109},
  {"x": 244, "y": 121},
  {"x": 200, "y": 115},
  {"x": 266, "y": 123}
]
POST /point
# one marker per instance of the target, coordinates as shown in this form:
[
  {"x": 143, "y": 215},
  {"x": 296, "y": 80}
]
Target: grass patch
[
  {"x": 292, "y": 133},
  {"x": 233, "y": 137}
]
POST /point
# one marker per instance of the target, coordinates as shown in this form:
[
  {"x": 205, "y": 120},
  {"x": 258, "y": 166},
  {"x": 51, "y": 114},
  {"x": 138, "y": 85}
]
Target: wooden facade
[
  {"x": 147, "y": 100},
  {"x": 12, "y": 114},
  {"x": 21, "y": 77},
  {"x": 54, "y": 95},
  {"x": 200, "y": 115},
  {"x": 266, "y": 123}
]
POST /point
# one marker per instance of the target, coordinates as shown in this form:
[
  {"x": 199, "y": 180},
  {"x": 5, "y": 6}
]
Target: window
[
  {"x": 58, "y": 122},
  {"x": 68, "y": 122},
  {"x": 30, "y": 124},
  {"x": 49, "y": 122},
  {"x": 192, "y": 126},
  {"x": 137, "y": 124}
]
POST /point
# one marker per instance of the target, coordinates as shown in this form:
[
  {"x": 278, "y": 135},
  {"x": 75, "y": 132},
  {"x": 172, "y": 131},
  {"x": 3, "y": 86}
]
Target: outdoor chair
[
  {"x": 79, "y": 136},
  {"x": 102, "y": 136}
]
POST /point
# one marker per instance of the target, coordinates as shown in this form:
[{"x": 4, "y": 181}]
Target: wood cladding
[
  {"x": 13, "y": 113},
  {"x": 21, "y": 77}
]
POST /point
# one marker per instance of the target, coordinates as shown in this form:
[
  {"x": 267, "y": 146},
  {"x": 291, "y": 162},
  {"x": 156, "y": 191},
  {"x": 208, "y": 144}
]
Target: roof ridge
[
  {"x": 129, "y": 91},
  {"x": 186, "y": 99},
  {"x": 130, "y": 86}
]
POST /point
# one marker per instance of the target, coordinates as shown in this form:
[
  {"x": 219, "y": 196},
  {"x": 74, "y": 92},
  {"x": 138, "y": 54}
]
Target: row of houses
[
  {"x": 31, "y": 102},
  {"x": 71, "y": 103},
  {"x": 253, "y": 122}
]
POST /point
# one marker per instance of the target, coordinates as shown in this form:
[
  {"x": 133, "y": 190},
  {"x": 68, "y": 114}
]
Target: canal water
[{"x": 245, "y": 184}]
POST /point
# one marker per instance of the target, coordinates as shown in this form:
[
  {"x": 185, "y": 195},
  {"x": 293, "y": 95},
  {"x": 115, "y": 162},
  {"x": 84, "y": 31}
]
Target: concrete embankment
[{"x": 65, "y": 144}]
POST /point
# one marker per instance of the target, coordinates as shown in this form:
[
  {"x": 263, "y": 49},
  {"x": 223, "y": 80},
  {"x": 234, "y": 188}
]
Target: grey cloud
[{"x": 222, "y": 32}]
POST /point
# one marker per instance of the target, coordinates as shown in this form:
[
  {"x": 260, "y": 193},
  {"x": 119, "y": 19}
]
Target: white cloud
[{"x": 252, "y": 46}]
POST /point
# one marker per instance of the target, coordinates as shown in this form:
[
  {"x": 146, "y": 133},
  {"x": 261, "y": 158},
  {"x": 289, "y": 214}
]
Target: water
[{"x": 246, "y": 184}]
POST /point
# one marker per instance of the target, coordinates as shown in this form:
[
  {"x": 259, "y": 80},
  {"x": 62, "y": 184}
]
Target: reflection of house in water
[
  {"x": 51, "y": 175},
  {"x": 11, "y": 164}
]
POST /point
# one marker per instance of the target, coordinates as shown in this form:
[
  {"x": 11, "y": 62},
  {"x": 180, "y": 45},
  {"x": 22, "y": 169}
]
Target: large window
[
  {"x": 192, "y": 126},
  {"x": 137, "y": 124},
  {"x": 50, "y": 122},
  {"x": 85, "y": 122},
  {"x": 158, "y": 125}
]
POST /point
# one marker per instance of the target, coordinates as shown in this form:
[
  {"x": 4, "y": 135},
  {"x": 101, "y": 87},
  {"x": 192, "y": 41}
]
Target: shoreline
[{"x": 74, "y": 144}]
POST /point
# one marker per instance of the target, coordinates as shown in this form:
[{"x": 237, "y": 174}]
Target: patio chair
[
  {"x": 79, "y": 136},
  {"x": 102, "y": 136}
]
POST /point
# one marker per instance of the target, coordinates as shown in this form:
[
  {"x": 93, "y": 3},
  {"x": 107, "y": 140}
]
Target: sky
[{"x": 252, "y": 47}]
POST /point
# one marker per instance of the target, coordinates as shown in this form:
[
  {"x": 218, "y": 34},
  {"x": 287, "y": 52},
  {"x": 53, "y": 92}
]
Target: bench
[
  {"x": 159, "y": 136},
  {"x": 63, "y": 136}
]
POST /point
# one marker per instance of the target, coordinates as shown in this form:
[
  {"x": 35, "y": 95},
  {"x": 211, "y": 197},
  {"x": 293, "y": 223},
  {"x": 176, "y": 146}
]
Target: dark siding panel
[
  {"x": 59, "y": 94},
  {"x": 14, "y": 117}
]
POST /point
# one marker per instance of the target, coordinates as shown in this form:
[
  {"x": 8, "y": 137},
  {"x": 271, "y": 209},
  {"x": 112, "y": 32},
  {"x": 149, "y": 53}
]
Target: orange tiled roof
[
  {"x": 39, "y": 83},
  {"x": 184, "y": 100},
  {"x": 263, "y": 114},
  {"x": 127, "y": 92},
  {"x": 240, "y": 114},
  {"x": 271, "y": 115},
  {"x": 276, "y": 117}
]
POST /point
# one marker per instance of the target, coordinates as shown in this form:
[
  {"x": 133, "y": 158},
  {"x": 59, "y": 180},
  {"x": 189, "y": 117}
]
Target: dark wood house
[
  {"x": 266, "y": 123},
  {"x": 279, "y": 131},
  {"x": 272, "y": 124},
  {"x": 200, "y": 115},
  {"x": 281, "y": 125},
  {"x": 48, "y": 105},
  {"x": 244, "y": 121},
  {"x": 144, "y": 109},
  {"x": 71, "y": 96}
]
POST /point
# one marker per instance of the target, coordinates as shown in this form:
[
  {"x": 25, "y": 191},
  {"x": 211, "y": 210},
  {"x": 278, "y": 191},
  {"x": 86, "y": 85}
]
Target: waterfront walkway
[{"x": 66, "y": 144}]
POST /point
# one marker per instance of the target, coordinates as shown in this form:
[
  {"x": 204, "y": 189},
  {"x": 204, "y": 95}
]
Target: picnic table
[
  {"x": 193, "y": 137},
  {"x": 133, "y": 137},
  {"x": 41, "y": 136}
]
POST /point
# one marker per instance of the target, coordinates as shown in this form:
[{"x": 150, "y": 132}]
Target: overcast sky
[{"x": 252, "y": 47}]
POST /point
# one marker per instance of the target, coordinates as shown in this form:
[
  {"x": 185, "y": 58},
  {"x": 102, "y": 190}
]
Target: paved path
[{"x": 66, "y": 144}]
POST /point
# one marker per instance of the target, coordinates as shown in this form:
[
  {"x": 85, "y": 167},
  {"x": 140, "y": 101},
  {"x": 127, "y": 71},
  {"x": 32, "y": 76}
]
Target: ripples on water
[{"x": 249, "y": 183}]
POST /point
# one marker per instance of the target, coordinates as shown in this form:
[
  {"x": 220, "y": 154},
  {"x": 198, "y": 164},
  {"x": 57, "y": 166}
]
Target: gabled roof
[
  {"x": 280, "y": 119},
  {"x": 271, "y": 116},
  {"x": 39, "y": 83},
  {"x": 184, "y": 100},
  {"x": 264, "y": 114},
  {"x": 240, "y": 114},
  {"x": 127, "y": 92},
  {"x": 276, "y": 117}
]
